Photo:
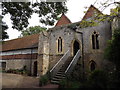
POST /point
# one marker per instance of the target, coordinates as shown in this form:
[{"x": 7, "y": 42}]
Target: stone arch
[
  {"x": 75, "y": 46},
  {"x": 92, "y": 65}
]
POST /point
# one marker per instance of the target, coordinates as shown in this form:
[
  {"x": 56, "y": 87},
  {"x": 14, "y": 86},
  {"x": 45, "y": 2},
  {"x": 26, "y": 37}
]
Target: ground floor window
[{"x": 3, "y": 65}]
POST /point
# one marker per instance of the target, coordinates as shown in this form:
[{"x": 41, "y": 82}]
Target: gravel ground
[{"x": 19, "y": 81}]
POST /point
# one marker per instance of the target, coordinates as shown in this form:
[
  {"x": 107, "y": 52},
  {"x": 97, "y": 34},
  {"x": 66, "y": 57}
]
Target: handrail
[
  {"x": 73, "y": 62},
  {"x": 59, "y": 64},
  {"x": 58, "y": 61}
]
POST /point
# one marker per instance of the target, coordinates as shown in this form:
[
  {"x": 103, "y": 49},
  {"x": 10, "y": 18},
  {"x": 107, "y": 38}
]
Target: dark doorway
[
  {"x": 76, "y": 47},
  {"x": 3, "y": 65},
  {"x": 92, "y": 66},
  {"x": 35, "y": 68}
]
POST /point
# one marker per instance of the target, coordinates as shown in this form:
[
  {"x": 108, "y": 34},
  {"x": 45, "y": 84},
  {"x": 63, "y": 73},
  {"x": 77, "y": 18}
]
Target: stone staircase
[{"x": 61, "y": 73}]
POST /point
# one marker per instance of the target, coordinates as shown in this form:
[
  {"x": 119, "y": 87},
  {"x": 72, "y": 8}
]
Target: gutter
[
  {"x": 82, "y": 52},
  {"x": 31, "y": 62}
]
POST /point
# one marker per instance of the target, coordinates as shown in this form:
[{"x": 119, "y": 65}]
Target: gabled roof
[
  {"x": 63, "y": 20},
  {"x": 91, "y": 12},
  {"x": 30, "y": 41}
]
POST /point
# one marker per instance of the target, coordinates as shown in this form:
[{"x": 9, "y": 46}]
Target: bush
[
  {"x": 63, "y": 83},
  {"x": 18, "y": 71},
  {"x": 66, "y": 83},
  {"x": 98, "y": 79},
  {"x": 114, "y": 80},
  {"x": 43, "y": 80},
  {"x": 74, "y": 84}
]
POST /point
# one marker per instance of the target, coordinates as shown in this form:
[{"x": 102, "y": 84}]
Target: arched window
[
  {"x": 95, "y": 41},
  {"x": 60, "y": 46},
  {"x": 92, "y": 65}
]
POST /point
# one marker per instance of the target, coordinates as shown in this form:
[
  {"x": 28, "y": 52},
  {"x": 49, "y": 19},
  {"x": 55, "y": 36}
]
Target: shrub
[
  {"x": 66, "y": 83},
  {"x": 63, "y": 83},
  {"x": 98, "y": 79},
  {"x": 43, "y": 80},
  {"x": 18, "y": 71},
  {"x": 74, "y": 84}
]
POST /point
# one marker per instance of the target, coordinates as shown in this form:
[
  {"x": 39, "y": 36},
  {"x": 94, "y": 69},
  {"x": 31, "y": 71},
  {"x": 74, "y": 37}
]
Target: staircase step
[
  {"x": 61, "y": 70},
  {"x": 60, "y": 74},
  {"x": 55, "y": 82},
  {"x": 59, "y": 77}
]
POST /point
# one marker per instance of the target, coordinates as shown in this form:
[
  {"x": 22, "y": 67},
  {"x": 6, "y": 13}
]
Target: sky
[{"x": 75, "y": 13}]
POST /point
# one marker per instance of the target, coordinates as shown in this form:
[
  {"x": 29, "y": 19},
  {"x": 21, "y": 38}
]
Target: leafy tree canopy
[
  {"x": 113, "y": 50},
  {"x": 102, "y": 17},
  {"x": 3, "y": 28},
  {"x": 32, "y": 30},
  {"x": 21, "y": 11}
]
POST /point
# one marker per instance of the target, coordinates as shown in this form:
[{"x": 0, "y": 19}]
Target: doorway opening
[
  {"x": 3, "y": 65},
  {"x": 92, "y": 65},
  {"x": 76, "y": 47},
  {"x": 35, "y": 68}
]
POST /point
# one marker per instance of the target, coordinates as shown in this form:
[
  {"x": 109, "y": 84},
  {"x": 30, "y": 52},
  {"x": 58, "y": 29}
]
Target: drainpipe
[
  {"x": 31, "y": 62},
  {"x": 82, "y": 53}
]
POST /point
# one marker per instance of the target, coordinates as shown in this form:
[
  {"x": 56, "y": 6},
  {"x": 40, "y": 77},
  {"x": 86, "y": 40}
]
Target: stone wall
[
  {"x": 51, "y": 37},
  {"x": 97, "y": 55},
  {"x": 19, "y": 64},
  {"x": 83, "y": 37}
]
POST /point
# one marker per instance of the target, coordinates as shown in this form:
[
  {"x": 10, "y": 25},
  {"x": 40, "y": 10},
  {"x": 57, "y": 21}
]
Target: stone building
[
  {"x": 20, "y": 52},
  {"x": 67, "y": 42}
]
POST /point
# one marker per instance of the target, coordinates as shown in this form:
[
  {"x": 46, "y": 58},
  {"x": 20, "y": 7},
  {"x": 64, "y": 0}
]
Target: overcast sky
[{"x": 75, "y": 13}]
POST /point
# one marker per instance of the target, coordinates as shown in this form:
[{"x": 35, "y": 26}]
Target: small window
[
  {"x": 95, "y": 41},
  {"x": 92, "y": 66},
  {"x": 3, "y": 65},
  {"x": 60, "y": 46}
]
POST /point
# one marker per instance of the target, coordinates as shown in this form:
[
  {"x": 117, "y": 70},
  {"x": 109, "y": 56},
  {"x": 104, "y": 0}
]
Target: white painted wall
[{"x": 25, "y": 51}]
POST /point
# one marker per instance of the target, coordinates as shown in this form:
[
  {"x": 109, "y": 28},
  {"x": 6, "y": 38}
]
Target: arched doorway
[
  {"x": 92, "y": 65},
  {"x": 76, "y": 47},
  {"x": 35, "y": 68}
]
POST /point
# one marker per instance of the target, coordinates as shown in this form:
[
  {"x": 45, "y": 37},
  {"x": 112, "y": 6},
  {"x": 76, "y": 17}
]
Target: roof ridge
[
  {"x": 61, "y": 18},
  {"x": 21, "y": 37},
  {"x": 91, "y": 6},
  {"x": 96, "y": 8}
]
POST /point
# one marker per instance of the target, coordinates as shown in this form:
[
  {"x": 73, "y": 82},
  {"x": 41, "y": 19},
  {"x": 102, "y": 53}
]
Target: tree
[
  {"x": 32, "y": 30},
  {"x": 113, "y": 50},
  {"x": 98, "y": 79},
  {"x": 112, "y": 53},
  {"x": 3, "y": 29},
  {"x": 21, "y": 11}
]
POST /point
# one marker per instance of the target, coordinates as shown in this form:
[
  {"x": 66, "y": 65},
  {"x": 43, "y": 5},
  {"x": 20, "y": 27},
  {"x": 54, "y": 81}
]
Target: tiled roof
[
  {"x": 30, "y": 41},
  {"x": 91, "y": 12},
  {"x": 63, "y": 20}
]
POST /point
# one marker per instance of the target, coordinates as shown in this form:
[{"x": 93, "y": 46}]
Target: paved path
[
  {"x": 50, "y": 86},
  {"x": 20, "y": 81}
]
